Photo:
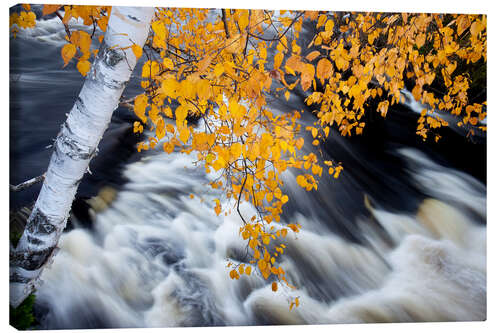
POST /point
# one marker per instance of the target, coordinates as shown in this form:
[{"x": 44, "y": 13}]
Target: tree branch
[
  {"x": 28, "y": 183},
  {"x": 66, "y": 27}
]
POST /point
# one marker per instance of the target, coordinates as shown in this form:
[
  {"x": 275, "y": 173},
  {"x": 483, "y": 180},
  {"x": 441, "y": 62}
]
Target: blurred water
[{"x": 400, "y": 236}]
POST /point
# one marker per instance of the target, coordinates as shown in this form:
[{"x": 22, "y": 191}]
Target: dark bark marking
[
  {"x": 73, "y": 150},
  {"x": 112, "y": 57},
  {"x": 39, "y": 223},
  {"x": 30, "y": 260},
  {"x": 80, "y": 106},
  {"x": 15, "y": 277}
]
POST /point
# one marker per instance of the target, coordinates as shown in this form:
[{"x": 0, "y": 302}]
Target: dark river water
[{"x": 400, "y": 236}]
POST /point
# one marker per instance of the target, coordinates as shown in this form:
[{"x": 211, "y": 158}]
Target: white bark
[{"x": 75, "y": 146}]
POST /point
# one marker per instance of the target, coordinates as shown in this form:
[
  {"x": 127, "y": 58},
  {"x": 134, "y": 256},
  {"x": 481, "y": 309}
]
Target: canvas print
[{"x": 178, "y": 167}]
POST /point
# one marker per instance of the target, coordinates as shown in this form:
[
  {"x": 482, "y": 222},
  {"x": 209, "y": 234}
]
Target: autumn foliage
[{"x": 222, "y": 67}]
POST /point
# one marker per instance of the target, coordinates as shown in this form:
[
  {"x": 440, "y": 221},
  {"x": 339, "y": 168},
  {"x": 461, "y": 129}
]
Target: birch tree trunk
[{"x": 75, "y": 145}]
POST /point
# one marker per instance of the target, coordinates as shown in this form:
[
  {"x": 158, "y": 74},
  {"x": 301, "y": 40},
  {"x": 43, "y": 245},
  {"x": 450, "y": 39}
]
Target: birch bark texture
[{"x": 75, "y": 146}]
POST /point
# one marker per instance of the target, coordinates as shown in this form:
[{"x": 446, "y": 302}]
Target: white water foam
[{"x": 157, "y": 258}]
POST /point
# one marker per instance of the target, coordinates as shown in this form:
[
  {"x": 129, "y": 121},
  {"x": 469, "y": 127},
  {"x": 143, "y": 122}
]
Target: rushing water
[{"x": 400, "y": 236}]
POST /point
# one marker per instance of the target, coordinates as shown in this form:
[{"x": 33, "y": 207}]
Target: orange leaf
[
  {"x": 324, "y": 70},
  {"x": 313, "y": 55},
  {"x": 49, "y": 9},
  {"x": 137, "y": 50},
  {"x": 420, "y": 40},
  {"x": 83, "y": 67},
  {"x": 68, "y": 52},
  {"x": 217, "y": 207},
  {"x": 184, "y": 134},
  {"x": 204, "y": 63},
  {"x": 307, "y": 76}
]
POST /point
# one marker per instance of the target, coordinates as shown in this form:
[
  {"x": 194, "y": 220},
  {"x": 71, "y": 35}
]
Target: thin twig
[
  {"x": 280, "y": 36},
  {"x": 225, "y": 23},
  {"x": 66, "y": 27},
  {"x": 26, "y": 184}
]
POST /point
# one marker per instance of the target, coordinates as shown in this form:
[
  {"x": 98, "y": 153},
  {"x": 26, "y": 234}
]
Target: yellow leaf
[
  {"x": 159, "y": 29},
  {"x": 203, "y": 89},
  {"x": 313, "y": 55},
  {"x": 324, "y": 70},
  {"x": 168, "y": 147},
  {"x": 329, "y": 25},
  {"x": 84, "y": 42},
  {"x": 219, "y": 69},
  {"x": 287, "y": 95},
  {"x": 137, "y": 50},
  {"x": 68, "y": 52},
  {"x": 278, "y": 59},
  {"x": 274, "y": 286},
  {"x": 49, "y": 9},
  {"x": 181, "y": 113},
  {"x": 160, "y": 128},
  {"x": 150, "y": 69},
  {"x": 236, "y": 150},
  {"x": 307, "y": 76},
  {"x": 168, "y": 63},
  {"x": 266, "y": 239},
  {"x": 253, "y": 244},
  {"x": 321, "y": 21},
  {"x": 462, "y": 23},
  {"x": 420, "y": 40},
  {"x": 170, "y": 87},
  {"x": 243, "y": 20},
  {"x": 262, "y": 264},
  {"x": 299, "y": 143},
  {"x": 476, "y": 28},
  {"x": 140, "y": 104},
  {"x": 83, "y": 67},
  {"x": 217, "y": 207},
  {"x": 232, "y": 44},
  {"x": 204, "y": 63},
  {"x": 383, "y": 107},
  {"x": 184, "y": 134},
  {"x": 284, "y": 199}
]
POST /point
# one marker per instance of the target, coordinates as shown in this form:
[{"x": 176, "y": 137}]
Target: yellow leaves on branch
[
  {"x": 23, "y": 20},
  {"x": 78, "y": 39},
  {"x": 389, "y": 49}
]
